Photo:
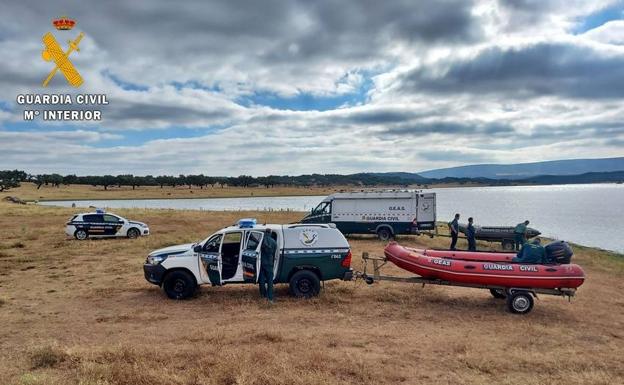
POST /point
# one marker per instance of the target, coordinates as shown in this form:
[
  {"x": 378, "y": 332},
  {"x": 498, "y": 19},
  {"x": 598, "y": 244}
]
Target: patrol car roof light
[
  {"x": 247, "y": 223},
  {"x": 100, "y": 211}
]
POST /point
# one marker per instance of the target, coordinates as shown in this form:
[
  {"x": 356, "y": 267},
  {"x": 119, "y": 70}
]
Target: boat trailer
[{"x": 519, "y": 300}]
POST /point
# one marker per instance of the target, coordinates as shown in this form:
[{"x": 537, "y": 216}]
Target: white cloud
[
  {"x": 495, "y": 81},
  {"x": 611, "y": 32}
]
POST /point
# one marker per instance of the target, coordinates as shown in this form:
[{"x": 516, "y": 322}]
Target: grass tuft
[
  {"x": 46, "y": 357},
  {"x": 267, "y": 336}
]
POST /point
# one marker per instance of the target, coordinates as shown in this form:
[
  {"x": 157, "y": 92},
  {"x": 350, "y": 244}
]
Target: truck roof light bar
[{"x": 247, "y": 223}]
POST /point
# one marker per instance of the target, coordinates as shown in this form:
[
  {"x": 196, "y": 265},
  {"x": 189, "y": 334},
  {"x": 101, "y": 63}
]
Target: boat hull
[
  {"x": 488, "y": 273},
  {"x": 486, "y": 256},
  {"x": 497, "y": 234}
]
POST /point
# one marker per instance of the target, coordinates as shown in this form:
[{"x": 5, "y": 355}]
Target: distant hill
[
  {"x": 528, "y": 170},
  {"x": 408, "y": 177},
  {"x": 590, "y": 177}
]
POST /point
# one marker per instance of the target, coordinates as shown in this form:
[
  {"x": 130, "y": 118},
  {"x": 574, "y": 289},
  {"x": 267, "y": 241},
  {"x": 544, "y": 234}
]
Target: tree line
[
  {"x": 13, "y": 178},
  {"x": 9, "y": 179}
]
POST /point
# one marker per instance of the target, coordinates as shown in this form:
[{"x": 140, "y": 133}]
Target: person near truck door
[
  {"x": 520, "y": 234},
  {"x": 532, "y": 252},
  {"x": 470, "y": 235},
  {"x": 267, "y": 259},
  {"x": 454, "y": 228}
]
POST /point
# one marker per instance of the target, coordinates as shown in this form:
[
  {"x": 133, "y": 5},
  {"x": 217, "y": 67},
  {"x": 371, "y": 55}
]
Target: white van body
[{"x": 382, "y": 212}]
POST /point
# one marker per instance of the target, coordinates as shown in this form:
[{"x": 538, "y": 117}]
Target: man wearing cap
[
  {"x": 267, "y": 258},
  {"x": 454, "y": 229},
  {"x": 532, "y": 252},
  {"x": 520, "y": 234},
  {"x": 471, "y": 235}
]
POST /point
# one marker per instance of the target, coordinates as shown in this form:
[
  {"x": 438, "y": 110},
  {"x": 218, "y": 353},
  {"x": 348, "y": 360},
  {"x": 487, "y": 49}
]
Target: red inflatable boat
[{"x": 483, "y": 268}]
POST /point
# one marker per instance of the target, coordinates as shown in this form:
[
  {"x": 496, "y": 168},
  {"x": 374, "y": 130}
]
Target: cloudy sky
[{"x": 291, "y": 87}]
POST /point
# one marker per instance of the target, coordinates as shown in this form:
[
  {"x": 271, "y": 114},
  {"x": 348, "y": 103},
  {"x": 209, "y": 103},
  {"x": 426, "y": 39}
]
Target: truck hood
[{"x": 177, "y": 249}]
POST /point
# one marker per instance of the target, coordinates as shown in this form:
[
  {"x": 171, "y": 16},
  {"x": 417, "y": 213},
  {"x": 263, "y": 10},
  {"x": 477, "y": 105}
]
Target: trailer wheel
[
  {"x": 508, "y": 245},
  {"x": 498, "y": 293},
  {"x": 305, "y": 284},
  {"x": 384, "y": 234},
  {"x": 520, "y": 302}
]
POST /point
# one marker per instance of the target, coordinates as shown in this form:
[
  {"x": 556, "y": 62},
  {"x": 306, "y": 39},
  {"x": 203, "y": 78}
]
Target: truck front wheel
[
  {"x": 179, "y": 285},
  {"x": 305, "y": 284}
]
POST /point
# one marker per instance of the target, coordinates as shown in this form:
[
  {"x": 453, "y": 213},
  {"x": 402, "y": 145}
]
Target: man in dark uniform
[
  {"x": 470, "y": 235},
  {"x": 267, "y": 258},
  {"x": 532, "y": 252},
  {"x": 454, "y": 229},
  {"x": 520, "y": 234}
]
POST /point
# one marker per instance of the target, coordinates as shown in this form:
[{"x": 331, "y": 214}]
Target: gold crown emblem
[{"x": 63, "y": 23}]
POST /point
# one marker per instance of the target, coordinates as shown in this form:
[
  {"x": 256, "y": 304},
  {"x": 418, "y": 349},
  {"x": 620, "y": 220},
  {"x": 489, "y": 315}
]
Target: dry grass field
[
  {"x": 28, "y": 191},
  {"x": 81, "y": 313}
]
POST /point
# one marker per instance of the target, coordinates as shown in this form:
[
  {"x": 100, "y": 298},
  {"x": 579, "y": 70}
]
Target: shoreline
[
  {"x": 175, "y": 198},
  {"x": 276, "y": 192},
  {"x": 614, "y": 253}
]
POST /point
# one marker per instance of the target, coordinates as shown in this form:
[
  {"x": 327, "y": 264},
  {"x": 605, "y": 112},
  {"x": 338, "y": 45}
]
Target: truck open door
[
  {"x": 251, "y": 256},
  {"x": 426, "y": 214},
  {"x": 210, "y": 260}
]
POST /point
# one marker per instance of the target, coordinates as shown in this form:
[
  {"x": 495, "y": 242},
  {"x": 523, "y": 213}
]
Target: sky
[{"x": 293, "y": 87}]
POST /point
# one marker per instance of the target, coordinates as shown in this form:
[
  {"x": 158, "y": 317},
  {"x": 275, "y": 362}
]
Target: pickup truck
[{"x": 306, "y": 255}]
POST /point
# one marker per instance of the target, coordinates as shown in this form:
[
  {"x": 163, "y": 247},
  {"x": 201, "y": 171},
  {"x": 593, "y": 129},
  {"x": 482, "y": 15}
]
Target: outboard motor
[{"x": 558, "y": 252}]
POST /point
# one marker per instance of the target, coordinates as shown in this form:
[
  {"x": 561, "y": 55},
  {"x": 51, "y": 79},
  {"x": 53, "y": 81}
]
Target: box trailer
[{"x": 385, "y": 213}]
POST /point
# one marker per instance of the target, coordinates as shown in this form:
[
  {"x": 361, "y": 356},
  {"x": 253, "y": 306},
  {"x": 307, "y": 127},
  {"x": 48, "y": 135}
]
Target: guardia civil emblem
[
  {"x": 54, "y": 52},
  {"x": 308, "y": 237}
]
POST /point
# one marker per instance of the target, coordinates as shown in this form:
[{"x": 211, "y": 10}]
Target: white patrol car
[
  {"x": 306, "y": 255},
  {"x": 101, "y": 224}
]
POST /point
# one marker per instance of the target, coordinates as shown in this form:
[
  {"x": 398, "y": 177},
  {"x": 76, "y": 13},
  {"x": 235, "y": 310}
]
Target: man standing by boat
[
  {"x": 454, "y": 228},
  {"x": 470, "y": 235},
  {"x": 520, "y": 234},
  {"x": 532, "y": 252},
  {"x": 267, "y": 258}
]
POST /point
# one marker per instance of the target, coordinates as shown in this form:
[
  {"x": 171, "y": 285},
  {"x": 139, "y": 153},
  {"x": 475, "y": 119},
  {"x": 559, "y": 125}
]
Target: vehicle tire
[
  {"x": 133, "y": 233},
  {"x": 498, "y": 293},
  {"x": 305, "y": 284},
  {"x": 508, "y": 245},
  {"x": 179, "y": 285},
  {"x": 520, "y": 302},
  {"x": 81, "y": 234},
  {"x": 384, "y": 234}
]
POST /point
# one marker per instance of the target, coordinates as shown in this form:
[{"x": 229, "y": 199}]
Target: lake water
[{"x": 591, "y": 214}]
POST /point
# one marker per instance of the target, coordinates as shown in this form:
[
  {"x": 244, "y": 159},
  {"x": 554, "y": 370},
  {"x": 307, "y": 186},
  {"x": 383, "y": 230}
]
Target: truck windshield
[
  {"x": 322, "y": 208},
  {"x": 213, "y": 244}
]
